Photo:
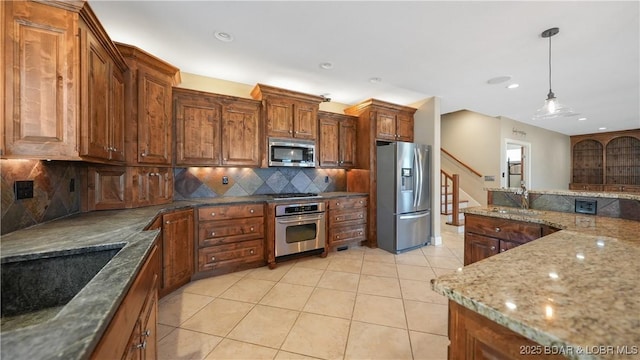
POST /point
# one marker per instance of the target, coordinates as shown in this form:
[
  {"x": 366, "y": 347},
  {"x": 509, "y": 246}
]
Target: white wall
[{"x": 427, "y": 131}]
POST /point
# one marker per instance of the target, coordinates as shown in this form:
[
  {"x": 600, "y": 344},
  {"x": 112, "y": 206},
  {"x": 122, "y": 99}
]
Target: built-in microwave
[{"x": 292, "y": 152}]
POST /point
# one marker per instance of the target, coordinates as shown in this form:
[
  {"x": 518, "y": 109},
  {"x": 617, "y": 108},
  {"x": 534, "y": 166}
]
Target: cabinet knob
[
  {"x": 251, "y": 229},
  {"x": 114, "y": 149},
  {"x": 224, "y": 159},
  {"x": 144, "y": 153},
  {"x": 213, "y": 214},
  {"x": 146, "y": 333},
  {"x": 361, "y": 202},
  {"x": 142, "y": 345},
  {"x": 498, "y": 229},
  {"x": 290, "y": 132},
  {"x": 251, "y": 251},
  {"x": 251, "y": 211},
  {"x": 493, "y": 248},
  {"x": 167, "y": 222},
  {"x": 338, "y": 218},
  {"x": 337, "y": 236},
  {"x": 359, "y": 232},
  {"x": 338, "y": 203},
  {"x": 503, "y": 250},
  {"x": 213, "y": 258},
  {"x": 360, "y": 216},
  {"x": 213, "y": 233}
]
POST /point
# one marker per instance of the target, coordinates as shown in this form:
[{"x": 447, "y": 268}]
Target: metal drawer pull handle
[{"x": 497, "y": 229}]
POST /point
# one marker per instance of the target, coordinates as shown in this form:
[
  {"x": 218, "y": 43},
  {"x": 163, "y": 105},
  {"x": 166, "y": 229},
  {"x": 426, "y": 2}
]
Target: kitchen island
[{"x": 574, "y": 293}]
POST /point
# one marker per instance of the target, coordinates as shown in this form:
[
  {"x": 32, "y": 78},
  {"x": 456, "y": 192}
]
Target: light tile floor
[{"x": 360, "y": 303}]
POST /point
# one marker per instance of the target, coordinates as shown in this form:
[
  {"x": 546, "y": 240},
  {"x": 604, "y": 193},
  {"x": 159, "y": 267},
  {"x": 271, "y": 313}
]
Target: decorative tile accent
[
  {"x": 197, "y": 182},
  {"x": 51, "y": 196}
]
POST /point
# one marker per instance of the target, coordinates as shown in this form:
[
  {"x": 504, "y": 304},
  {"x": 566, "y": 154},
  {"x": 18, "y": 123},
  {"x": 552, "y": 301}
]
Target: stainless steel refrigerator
[{"x": 403, "y": 196}]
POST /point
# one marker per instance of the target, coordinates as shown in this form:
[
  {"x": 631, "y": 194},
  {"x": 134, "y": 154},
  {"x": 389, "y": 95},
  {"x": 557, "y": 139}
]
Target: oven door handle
[{"x": 300, "y": 218}]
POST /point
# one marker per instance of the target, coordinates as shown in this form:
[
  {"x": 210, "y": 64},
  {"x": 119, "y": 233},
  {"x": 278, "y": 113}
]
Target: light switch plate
[{"x": 24, "y": 189}]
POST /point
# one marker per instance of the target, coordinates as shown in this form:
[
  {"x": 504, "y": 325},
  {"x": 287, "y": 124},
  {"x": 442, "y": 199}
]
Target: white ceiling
[{"x": 419, "y": 49}]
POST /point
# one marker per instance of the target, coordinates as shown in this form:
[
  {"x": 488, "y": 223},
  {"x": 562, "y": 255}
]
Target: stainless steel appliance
[
  {"x": 299, "y": 228},
  {"x": 292, "y": 152},
  {"x": 403, "y": 196}
]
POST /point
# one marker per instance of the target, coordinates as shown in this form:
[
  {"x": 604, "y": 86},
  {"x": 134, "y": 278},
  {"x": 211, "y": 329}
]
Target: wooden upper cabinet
[
  {"x": 288, "y": 114},
  {"x": 404, "y": 127},
  {"x": 338, "y": 140},
  {"x": 391, "y": 122},
  {"x": 102, "y": 71},
  {"x": 148, "y": 95},
  {"x": 386, "y": 126},
  {"x": 41, "y": 80},
  {"x": 241, "y": 133},
  {"x": 198, "y": 121},
  {"x": 214, "y": 129}
]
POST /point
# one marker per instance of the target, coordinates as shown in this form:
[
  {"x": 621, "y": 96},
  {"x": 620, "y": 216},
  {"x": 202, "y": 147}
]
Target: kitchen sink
[{"x": 34, "y": 290}]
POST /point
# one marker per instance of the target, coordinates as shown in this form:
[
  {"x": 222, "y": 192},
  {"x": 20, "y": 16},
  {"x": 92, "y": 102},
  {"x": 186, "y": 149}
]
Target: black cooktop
[{"x": 294, "y": 195}]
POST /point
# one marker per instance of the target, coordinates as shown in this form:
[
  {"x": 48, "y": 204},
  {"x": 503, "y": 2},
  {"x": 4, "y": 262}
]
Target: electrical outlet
[
  {"x": 24, "y": 189},
  {"x": 225, "y": 180},
  {"x": 72, "y": 185},
  {"x": 586, "y": 207}
]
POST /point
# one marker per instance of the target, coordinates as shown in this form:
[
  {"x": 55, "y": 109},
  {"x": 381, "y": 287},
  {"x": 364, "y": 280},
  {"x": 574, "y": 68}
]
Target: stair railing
[{"x": 450, "y": 186}]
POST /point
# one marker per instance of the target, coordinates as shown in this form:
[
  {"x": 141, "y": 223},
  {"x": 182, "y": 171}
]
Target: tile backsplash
[
  {"x": 52, "y": 197},
  {"x": 199, "y": 182}
]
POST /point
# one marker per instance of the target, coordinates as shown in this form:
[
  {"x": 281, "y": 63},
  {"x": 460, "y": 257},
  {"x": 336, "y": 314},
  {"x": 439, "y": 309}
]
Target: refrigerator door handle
[
  {"x": 418, "y": 177},
  {"x": 417, "y": 216}
]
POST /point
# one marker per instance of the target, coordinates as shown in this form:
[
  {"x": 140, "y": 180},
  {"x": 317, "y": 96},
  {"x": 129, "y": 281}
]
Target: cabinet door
[
  {"x": 198, "y": 126},
  {"x": 177, "y": 249},
  {"x": 305, "y": 121},
  {"x": 348, "y": 143},
  {"x": 478, "y": 247},
  {"x": 95, "y": 100},
  {"x": 404, "y": 127},
  {"x": 386, "y": 126},
  {"x": 106, "y": 188},
  {"x": 154, "y": 122},
  {"x": 328, "y": 144},
  {"x": 148, "y": 324},
  {"x": 240, "y": 135},
  {"x": 41, "y": 81},
  {"x": 161, "y": 185},
  {"x": 279, "y": 117},
  {"x": 506, "y": 245}
]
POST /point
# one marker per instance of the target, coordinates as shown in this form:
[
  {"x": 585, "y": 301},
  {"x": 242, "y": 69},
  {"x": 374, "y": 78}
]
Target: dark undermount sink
[{"x": 35, "y": 290}]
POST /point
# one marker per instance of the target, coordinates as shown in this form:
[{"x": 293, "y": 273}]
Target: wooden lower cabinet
[
  {"x": 347, "y": 221},
  {"x": 106, "y": 187},
  {"x": 486, "y": 236},
  {"x": 230, "y": 238},
  {"x": 177, "y": 250},
  {"x": 474, "y": 337},
  {"x": 132, "y": 333}
]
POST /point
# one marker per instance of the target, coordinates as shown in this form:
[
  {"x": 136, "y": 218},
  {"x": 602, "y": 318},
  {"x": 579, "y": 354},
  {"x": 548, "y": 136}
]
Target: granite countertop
[
  {"x": 577, "y": 289},
  {"x": 585, "y": 193},
  {"x": 77, "y": 327}
]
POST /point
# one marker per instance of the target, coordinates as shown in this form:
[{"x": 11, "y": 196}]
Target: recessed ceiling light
[
  {"x": 602, "y": 128},
  {"x": 513, "y": 86},
  {"x": 326, "y": 65},
  {"x": 499, "y": 79},
  {"x": 375, "y": 80},
  {"x": 582, "y": 119},
  {"x": 223, "y": 36}
]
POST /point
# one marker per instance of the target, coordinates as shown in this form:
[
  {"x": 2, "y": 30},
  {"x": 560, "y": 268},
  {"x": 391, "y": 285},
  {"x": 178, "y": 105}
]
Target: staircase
[{"x": 446, "y": 206}]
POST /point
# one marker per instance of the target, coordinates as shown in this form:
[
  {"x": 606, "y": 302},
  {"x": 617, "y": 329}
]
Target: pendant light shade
[{"x": 551, "y": 108}]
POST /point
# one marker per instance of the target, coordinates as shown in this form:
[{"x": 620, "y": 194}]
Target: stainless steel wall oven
[{"x": 299, "y": 228}]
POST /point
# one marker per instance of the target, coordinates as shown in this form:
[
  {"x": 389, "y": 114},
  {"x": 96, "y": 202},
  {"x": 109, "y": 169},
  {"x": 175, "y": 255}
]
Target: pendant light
[{"x": 551, "y": 108}]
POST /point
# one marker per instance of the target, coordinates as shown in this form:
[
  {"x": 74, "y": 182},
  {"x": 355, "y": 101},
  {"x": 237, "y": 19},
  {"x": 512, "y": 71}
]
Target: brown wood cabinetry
[
  {"x": 102, "y": 70},
  {"x": 230, "y": 238},
  {"x": 347, "y": 221},
  {"x": 106, "y": 187},
  {"x": 473, "y": 336},
  {"x": 148, "y": 87},
  {"x": 216, "y": 129},
  {"x": 377, "y": 120},
  {"x": 177, "y": 250},
  {"x": 338, "y": 139},
  {"x": 132, "y": 332},
  {"x": 486, "y": 236},
  {"x": 288, "y": 114},
  {"x": 41, "y": 80},
  {"x": 606, "y": 161}
]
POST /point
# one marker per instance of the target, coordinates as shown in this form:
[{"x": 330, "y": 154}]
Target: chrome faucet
[{"x": 524, "y": 196}]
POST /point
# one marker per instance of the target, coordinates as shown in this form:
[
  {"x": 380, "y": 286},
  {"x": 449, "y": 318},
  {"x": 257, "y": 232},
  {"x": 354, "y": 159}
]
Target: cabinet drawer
[
  {"x": 348, "y": 203},
  {"x": 230, "y": 231},
  {"x": 344, "y": 234},
  {"x": 340, "y": 217},
  {"x": 503, "y": 229},
  {"x": 230, "y": 211},
  {"x": 228, "y": 255}
]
